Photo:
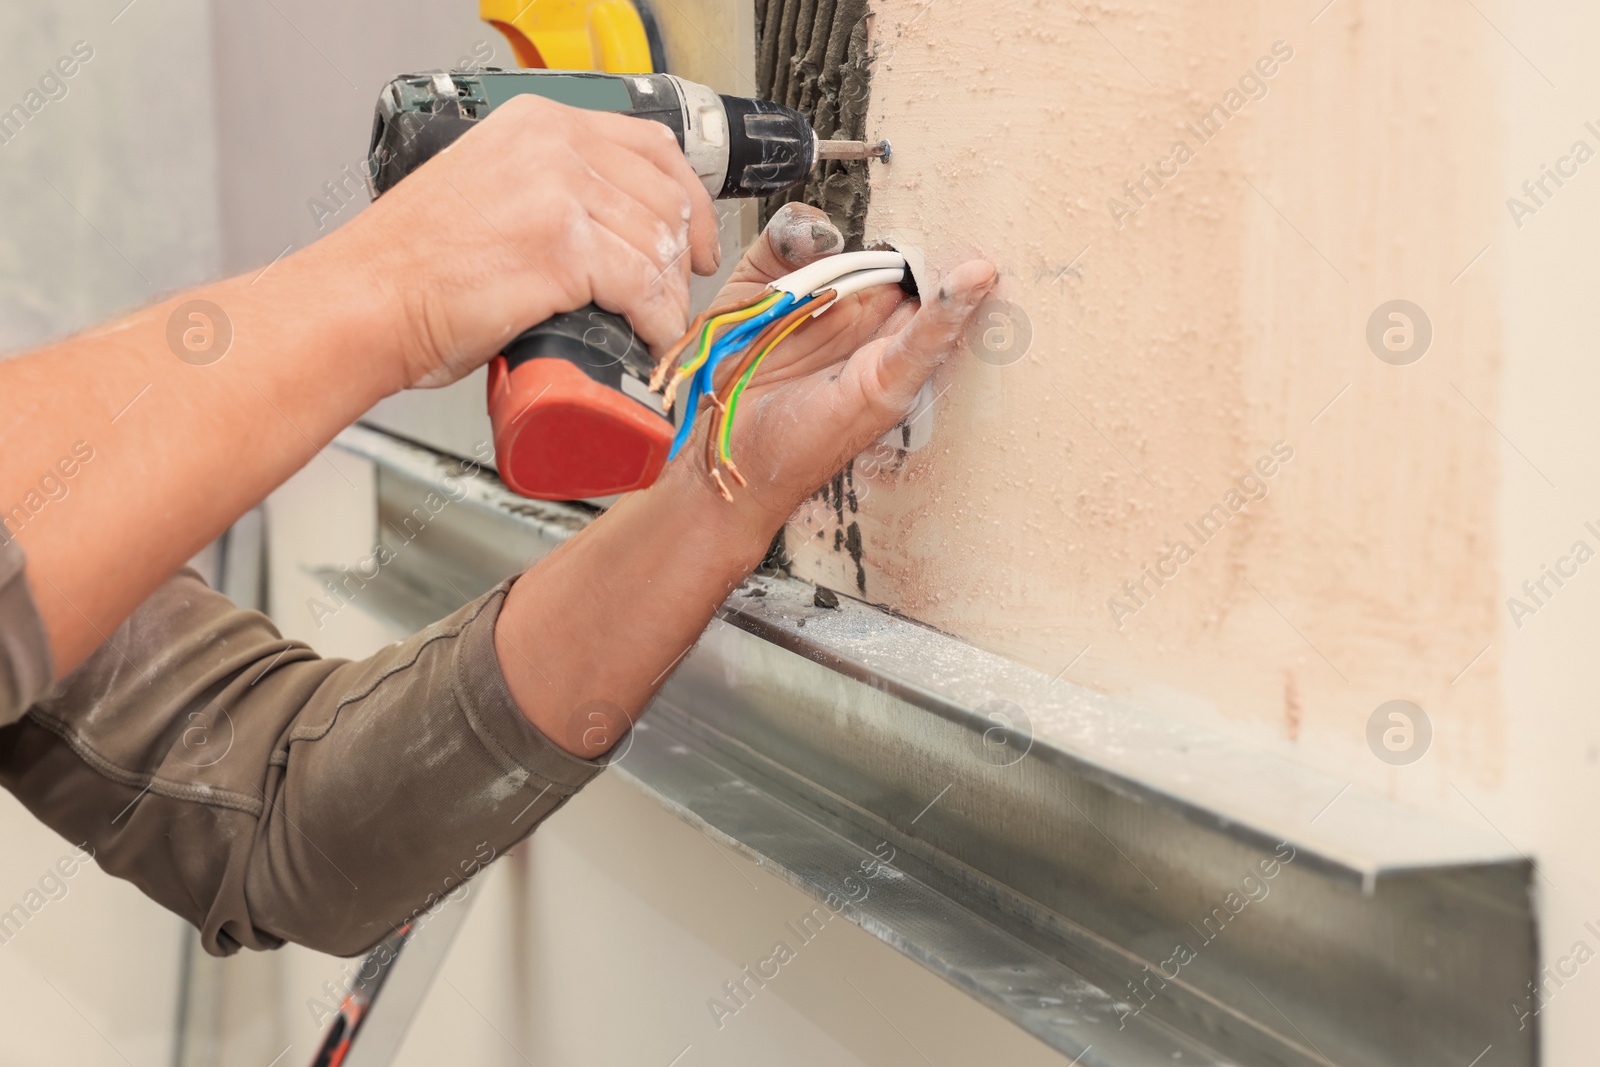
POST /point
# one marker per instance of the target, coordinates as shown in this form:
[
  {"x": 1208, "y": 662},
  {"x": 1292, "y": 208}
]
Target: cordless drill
[{"x": 567, "y": 397}]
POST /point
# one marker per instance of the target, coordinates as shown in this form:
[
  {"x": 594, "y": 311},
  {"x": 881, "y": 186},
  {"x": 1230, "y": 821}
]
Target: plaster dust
[{"x": 1178, "y": 340}]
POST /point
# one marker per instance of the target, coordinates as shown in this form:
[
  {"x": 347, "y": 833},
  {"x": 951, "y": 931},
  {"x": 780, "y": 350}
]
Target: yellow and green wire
[
  {"x": 745, "y": 322},
  {"x": 704, "y": 346},
  {"x": 725, "y": 439}
]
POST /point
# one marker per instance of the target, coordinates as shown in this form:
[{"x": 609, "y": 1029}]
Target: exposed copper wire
[
  {"x": 722, "y": 487},
  {"x": 670, "y": 356},
  {"x": 708, "y": 340},
  {"x": 711, "y": 435}
]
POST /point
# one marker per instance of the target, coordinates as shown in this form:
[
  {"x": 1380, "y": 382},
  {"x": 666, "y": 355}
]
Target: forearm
[
  {"x": 589, "y": 634},
  {"x": 177, "y": 450}
]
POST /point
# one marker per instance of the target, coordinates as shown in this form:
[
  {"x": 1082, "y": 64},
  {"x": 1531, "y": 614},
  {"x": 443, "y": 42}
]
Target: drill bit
[{"x": 849, "y": 150}]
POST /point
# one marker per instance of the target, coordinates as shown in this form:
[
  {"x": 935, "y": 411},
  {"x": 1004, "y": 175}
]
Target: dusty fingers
[
  {"x": 907, "y": 358},
  {"x": 797, "y": 234}
]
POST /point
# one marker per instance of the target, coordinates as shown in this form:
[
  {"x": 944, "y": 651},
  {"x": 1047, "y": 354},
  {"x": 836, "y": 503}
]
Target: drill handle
[{"x": 565, "y": 425}]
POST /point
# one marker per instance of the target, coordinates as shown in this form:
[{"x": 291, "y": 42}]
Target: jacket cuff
[
  {"x": 26, "y": 667},
  {"x": 483, "y": 696}
]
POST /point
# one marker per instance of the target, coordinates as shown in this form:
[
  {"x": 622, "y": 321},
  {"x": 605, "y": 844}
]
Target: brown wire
[
  {"x": 719, "y": 398},
  {"x": 774, "y": 328},
  {"x": 721, "y": 405},
  {"x": 670, "y": 356},
  {"x": 670, "y": 394}
]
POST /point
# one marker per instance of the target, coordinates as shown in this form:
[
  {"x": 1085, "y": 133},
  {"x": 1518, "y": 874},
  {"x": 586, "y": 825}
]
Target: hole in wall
[{"x": 917, "y": 278}]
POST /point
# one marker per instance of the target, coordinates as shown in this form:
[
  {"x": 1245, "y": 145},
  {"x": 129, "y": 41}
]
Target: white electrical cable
[
  {"x": 823, "y": 272},
  {"x": 858, "y": 280}
]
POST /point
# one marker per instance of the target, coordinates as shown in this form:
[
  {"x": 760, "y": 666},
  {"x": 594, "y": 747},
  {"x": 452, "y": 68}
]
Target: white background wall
[{"x": 1551, "y": 796}]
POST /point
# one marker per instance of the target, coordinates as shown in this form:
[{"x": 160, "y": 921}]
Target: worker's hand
[
  {"x": 539, "y": 209},
  {"x": 649, "y": 573},
  {"x": 839, "y": 382}
]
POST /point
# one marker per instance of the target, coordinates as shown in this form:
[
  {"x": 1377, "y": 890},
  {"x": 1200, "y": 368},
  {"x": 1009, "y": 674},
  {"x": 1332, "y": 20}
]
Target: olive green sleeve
[{"x": 266, "y": 794}]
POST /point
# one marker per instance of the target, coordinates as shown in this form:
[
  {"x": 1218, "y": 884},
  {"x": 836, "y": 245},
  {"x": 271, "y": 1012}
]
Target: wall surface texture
[
  {"x": 1186, "y": 458},
  {"x": 1202, "y": 213}
]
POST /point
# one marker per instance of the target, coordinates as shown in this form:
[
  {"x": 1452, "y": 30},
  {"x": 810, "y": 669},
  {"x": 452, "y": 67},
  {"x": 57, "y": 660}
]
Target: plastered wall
[
  {"x": 1168, "y": 460},
  {"x": 1155, "y": 342}
]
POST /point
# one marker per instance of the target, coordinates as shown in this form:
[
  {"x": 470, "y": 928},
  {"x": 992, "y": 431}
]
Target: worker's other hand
[
  {"x": 539, "y": 209},
  {"x": 841, "y": 381}
]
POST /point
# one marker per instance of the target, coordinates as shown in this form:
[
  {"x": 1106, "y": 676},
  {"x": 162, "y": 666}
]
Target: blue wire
[
  {"x": 736, "y": 338},
  {"x": 730, "y": 342}
]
